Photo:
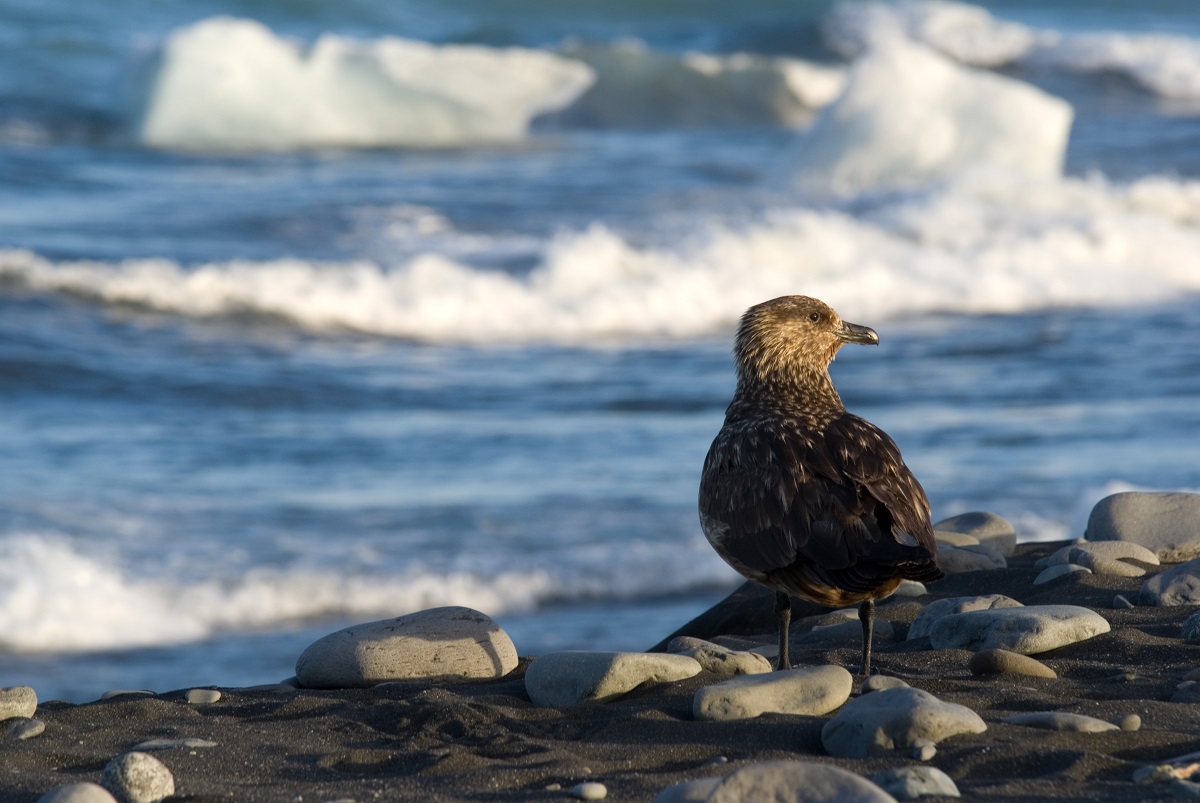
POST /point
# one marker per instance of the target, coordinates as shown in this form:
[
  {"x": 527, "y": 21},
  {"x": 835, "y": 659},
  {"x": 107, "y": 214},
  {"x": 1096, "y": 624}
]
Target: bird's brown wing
[{"x": 837, "y": 507}]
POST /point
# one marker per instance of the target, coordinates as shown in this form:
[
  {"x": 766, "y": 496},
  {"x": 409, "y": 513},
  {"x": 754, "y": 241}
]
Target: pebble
[
  {"x": 1179, "y": 585},
  {"x": 17, "y": 701},
  {"x": 1059, "y": 570},
  {"x": 1168, "y": 524},
  {"x": 999, "y": 662},
  {"x": 571, "y": 678},
  {"x": 810, "y": 691},
  {"x": 971, "y": 558},
  {"x": 1130, "y": 722},
  {"x": 451, "y": 642},
  {"x": 719, "y": 660},
  {"x": 1121, "y": 602},
  {"x": 910, "y": 783},
  {"x": 987, "y": 528},
  {"x": 589, "y": 790},
  {"x": 137, "y": 778},
  {"x": 896, "y": 719},
  {"x": 173, "y": 744},
  {"x": 1061, "y": 721},
  {"x": 202, "y": 696},
  {"x": 924, "y": 751},
  {"x": 1107, "y": 550},
  {"x": 882, "y": 683},
  {"x": 26, "y": 728},
  {"x": 1028, "y": 630},
  {"x": 78, "y": 793},
  {"x": 696, "y": 791},
  {"x": 796, "y": 782},
  {"x": 935, "y": 610}
]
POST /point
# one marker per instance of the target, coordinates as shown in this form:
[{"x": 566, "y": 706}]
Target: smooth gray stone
[
  {"x": 1108, "y": 550},
  {"x": 1028, "y": 630},
  {"x": 26, "y": 728},
  {"x": 846, "y": 633},
  {"x": 1061, "y": 721},
  {"x": 910, "y": 588},
  {"x": 910, "y": 783},
  {"x": 896, "y": 719},
  {"x": 812, "y": 691},
  {"x": 173, "y": 744},
  {"x": 987, "y": 528},
  {"x": 999, "y": 662},
  {"x": 137, "y": 778},
  {"x": 1179, "y": 585},
  {"x": 882, "y": 683},
  {"x": 971, "y": 558},
  {"x": 576, "y": 677},
  {"x": 451, "y": 643},
  {"x": 954, "y": 539},
  {"x": 1102, "y": 565},
  {"x": 17, "y": 702},
  {"x": 1130, "y": 722},
  {"x": 719, "y": 660},
  {"x": 796, "y": 782},
  {"x": 1191, "y": 629},
  {"x": 202, "y": 696},
  {"x": 1168, "y": 524},
  {"x": 696, "y": 791},
  {"x": 1051, "y": 573},
  {"x": 935, "y": 610},
  {"x": 589, "y": 790},
  {"x": 78, "y": 793}
]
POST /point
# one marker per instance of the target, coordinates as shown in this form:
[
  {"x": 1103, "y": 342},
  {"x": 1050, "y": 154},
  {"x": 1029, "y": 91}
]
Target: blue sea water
[{"x": 315, "y": 313}]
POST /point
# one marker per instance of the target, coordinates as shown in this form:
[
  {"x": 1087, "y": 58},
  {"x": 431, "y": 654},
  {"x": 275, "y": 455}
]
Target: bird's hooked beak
[{"x": 853, "y": 333}]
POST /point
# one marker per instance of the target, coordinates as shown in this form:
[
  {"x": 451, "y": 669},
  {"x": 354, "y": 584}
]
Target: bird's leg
[
  {"x": 866, "y": 614},
  {"x": 783, "y": 609}
]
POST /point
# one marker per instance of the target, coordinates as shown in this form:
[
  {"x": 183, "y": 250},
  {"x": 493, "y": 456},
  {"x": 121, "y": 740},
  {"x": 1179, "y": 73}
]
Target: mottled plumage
[{"x": 799, "y": 495}]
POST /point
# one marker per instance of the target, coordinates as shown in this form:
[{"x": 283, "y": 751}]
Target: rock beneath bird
[
  {"x": 969, "y": 558},
  {"x": 939, "y": 608},
  {"x": 85, "y": 792},
  {"x": 576, "y": 677},
  {"x": 811, "y": 691},
  {"x": 1061, "y": 721},
  {"x": 986, "y": 528},
  {"x": 1179, "y": 585},
  {"x": 1168, "y": 524},
  {"x": 796, "y": 493},
  {"x": 719, "y": 660},
  {"x": 1052, "y": 573},
  {"x": 451, "y": 643},
  {"x": 17, "y": 701},
  {"x": 1006, "y": 662},
  {"x": 896, "y": 719},
  {"x": 910, "y": 783},
  {"x": 1107, "y": 550},
  {"x": 796, "y": 782},
  {"x": 137, "y": 778},
  {"x": 1028, "y": 630}
]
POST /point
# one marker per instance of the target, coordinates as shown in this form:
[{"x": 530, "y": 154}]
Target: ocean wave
[
  {"x": 986, "y": 242},
  {"x": 227, "y": 83},
  {"x": 1165, "y": 64},
  {"x": 54, "y": 597}
]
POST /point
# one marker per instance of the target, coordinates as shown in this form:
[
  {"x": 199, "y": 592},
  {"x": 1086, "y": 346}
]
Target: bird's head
[{"x": 793, "y": 335}]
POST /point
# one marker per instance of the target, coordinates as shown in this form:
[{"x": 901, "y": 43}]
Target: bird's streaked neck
[{"x": 788, "y": 384}]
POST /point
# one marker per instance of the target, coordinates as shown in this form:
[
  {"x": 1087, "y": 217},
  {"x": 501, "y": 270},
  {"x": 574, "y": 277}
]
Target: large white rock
[
  {"x": 796, "y": 782},
  {"x": 85, "y": 792},
  {"x": 1165, "y": 523},
  {"x": 451, "y": 642},
  {"x": 1028, "y": 630},
  {"x": 1179, "y": 585},
  {"x": 576, "y": 677},
  {"x": 137, "y": 778},
  {"x": 935, "y": 610},
  {"x": 895, "y": 719},
  {"x": 812, "y": 691}
]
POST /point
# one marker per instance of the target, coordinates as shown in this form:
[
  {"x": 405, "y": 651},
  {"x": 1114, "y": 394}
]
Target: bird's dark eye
[{"x": 815, "y": 317}]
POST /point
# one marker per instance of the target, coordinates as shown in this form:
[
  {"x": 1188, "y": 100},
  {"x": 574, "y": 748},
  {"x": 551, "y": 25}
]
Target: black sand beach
[{"x": 487, "y": 741}]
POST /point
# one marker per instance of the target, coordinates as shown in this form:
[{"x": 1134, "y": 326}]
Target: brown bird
[{"x": 799, "y": 495}]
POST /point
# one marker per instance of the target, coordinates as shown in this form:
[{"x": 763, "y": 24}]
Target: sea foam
[
  {"x": 980, "y": 243},
  {"x": 227, "y": 83}
]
